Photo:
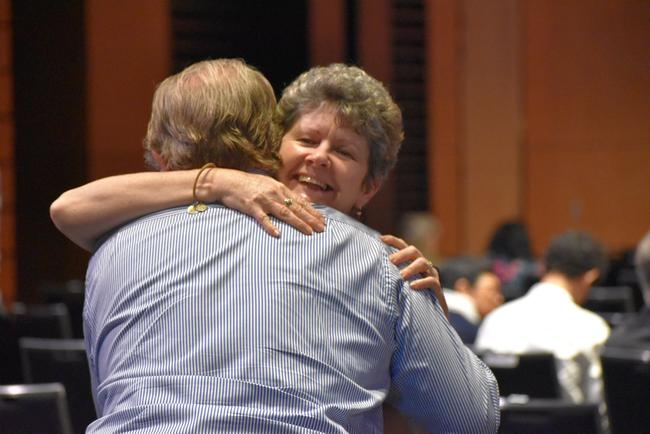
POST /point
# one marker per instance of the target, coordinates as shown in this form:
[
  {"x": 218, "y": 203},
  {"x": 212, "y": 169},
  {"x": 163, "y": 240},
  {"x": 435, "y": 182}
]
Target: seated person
[
  {"x": 549, "y": 318},
  {"x": 475, "y": 292},
  {"x": 635, "y": 331},
  {"x": 512, "y": 259}
]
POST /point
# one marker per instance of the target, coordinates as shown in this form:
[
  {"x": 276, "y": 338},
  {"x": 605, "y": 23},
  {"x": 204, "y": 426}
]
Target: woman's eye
[
  {"x": 346, "y": 153},
  {"x": 307, "y": 141}
]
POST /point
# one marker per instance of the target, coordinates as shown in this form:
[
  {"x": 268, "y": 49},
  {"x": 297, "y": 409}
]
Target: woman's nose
[{"x": 319, "y": 156}]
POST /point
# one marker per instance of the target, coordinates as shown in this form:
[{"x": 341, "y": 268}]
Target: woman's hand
[
  {"x": 418, "y": 265},
  {"x": 260, "y": 196}
]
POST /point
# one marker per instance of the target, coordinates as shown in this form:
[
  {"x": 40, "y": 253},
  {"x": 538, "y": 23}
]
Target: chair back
[
  {"x": 626, "y": 377},
  {"x": 10, "y": 369},
  {"x": 41, "y": 320},
  {"x": 34, "y": 409},
  {"x": 611, "y": 299},
  {"x": 63, "y": 361},
  {"x": 533, "y": 374},
  {"x": 549, "y": 416}
]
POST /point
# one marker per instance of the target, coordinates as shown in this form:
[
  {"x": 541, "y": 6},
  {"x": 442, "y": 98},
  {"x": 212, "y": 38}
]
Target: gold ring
[{"x": 288, "y": 202}]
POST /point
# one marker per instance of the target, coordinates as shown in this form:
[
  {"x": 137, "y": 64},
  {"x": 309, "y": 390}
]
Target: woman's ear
[{"x": 370, "y": 188}]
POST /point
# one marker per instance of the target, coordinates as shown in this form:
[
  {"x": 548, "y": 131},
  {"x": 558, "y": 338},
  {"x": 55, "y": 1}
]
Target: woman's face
[{"x": 326, "y": 162}]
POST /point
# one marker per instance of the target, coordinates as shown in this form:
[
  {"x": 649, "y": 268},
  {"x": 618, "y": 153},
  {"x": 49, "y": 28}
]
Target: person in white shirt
[{"x": 549, "y": 318}]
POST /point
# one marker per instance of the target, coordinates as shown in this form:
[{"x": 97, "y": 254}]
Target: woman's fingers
[
  {"x": 420, "y": 266},
  {"x": 425, "y": 274},
  {"x": 295, "y": 211},
  {"x": 265, "y": 221},
  {"x": 407, "y": 254},
  {"x": 394, "y": 241}
]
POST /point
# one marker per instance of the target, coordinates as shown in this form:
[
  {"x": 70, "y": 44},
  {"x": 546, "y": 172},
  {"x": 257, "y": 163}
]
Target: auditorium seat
[
  {"x": 626, "y": 376},
  {"x": 34, "y": 409},
  {"x": 41, "y": 320},
  {"x": 548, "y": 416},
  {"x": 63, "y": 361},
  {"x": 533, "y": 374}
]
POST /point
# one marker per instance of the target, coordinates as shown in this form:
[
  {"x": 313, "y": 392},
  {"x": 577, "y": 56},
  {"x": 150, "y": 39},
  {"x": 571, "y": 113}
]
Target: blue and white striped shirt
[{"x": 206, "y": 324}]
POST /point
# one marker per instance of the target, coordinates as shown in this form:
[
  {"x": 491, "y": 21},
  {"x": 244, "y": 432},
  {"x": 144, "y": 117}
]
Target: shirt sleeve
[{"x": 436, "y": 380}]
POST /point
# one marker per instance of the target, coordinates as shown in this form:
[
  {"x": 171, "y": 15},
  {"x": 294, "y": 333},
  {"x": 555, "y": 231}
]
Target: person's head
[
  {"x": 510, "y": 241},
  {"x": 472, "y": 276},
  {"x": 423, "y": 230},
  {"x": 579, "y": 258},
  {"x": 642, "y": 266},
  {"x": 342, "y": 132},
  {"x": 215, "y": 111}
]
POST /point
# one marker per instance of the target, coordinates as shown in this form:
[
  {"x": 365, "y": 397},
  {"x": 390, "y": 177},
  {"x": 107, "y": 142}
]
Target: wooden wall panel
[
  {"x": 474, "y": 119},
  {"x": 128, "y": 55},
  {"x": 7, "y": 173},
  {"x": 443, "y": 18},
  {"x": 491, "y": 113},
  {"x": 587, "y": 110},
  {"x": 375, "y": 56},
  {"x": 327, "y": 42}
]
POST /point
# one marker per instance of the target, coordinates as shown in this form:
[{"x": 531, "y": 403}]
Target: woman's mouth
[{"x": 312, "y": 182}]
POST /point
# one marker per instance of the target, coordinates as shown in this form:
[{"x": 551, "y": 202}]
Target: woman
[{"x": 341, "y": 134}]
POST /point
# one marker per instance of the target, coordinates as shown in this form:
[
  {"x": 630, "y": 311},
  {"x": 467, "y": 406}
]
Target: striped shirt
[{"x": 206, "y": 324}]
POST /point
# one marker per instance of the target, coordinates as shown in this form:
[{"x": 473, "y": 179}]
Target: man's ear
[
  {"x": 370, "y": 188},
  {"x": 591, "y": 276},
  {"x": 160, "y": 161}
]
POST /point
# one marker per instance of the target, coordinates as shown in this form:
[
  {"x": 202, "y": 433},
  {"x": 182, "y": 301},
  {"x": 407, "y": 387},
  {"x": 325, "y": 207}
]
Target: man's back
[
  {"x": 204, "y": 323},
  {"x": 547, "y": 320}
]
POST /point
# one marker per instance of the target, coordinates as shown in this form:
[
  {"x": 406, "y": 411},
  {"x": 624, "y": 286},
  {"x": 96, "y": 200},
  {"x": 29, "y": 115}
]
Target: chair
[
  {"x": 41, "y": 320},
  {"x": 34, "y": 409},
  {"x": 610, "y": 299},
  {"x": 626, "y": 376},
  {"x": 10, "y": 369},
  {"x": 533, "y": 374},
  {"x": 63, "y": 361},
  {"x": 549, "y": 416},
  {"x": 70, "y": 293}
]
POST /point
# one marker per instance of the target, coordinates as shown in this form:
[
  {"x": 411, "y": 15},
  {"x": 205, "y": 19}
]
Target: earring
[{"x": 358, "y": 212}]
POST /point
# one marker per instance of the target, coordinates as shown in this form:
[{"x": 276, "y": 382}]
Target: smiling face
[{"x": 326, "y": 162}]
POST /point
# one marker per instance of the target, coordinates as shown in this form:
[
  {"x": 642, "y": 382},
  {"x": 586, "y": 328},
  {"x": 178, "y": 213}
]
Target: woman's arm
[{"x": 85, "y": 213}]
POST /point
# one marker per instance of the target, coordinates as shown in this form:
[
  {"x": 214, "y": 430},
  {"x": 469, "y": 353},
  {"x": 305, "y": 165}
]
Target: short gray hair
[{"x": 361, "y": 102}]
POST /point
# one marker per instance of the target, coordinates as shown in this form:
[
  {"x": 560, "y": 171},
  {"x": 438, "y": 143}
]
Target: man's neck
[{"x": 559, "y": 279}]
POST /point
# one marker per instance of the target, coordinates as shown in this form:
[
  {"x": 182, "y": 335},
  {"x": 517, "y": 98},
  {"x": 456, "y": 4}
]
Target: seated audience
[
  {"x": 512, "y": 259},
  {"x": 549, "y": 318},
  {"x": 475, "y": 292},
  {"x": 635, "y": 331}
]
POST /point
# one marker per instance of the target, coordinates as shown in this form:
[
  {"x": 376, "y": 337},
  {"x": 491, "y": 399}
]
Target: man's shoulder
[
  {"x": 173, "y": 218},
  {"x": 341, "y": 220}
]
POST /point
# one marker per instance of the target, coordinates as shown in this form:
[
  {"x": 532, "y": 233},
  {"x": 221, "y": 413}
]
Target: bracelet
[{"x": 197, "y": 205}]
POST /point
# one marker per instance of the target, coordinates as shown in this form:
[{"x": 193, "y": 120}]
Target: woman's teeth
[{"x": 312, "y": 181}]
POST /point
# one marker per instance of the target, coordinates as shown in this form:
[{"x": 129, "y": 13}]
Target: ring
[{"x": 288, "y": 202}]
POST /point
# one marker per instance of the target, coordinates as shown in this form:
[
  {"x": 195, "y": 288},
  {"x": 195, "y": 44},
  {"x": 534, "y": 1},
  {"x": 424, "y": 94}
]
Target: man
[
  {"x": 549, "y": 317},
  {"x": 635, "y": 332},
  {"x": 475, "y": 292},
  {"x": 203, "y": 322}
]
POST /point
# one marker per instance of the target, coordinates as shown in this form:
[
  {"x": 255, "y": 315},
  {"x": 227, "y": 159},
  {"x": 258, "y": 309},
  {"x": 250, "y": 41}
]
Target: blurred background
[{"x": 526, "y": 110}]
